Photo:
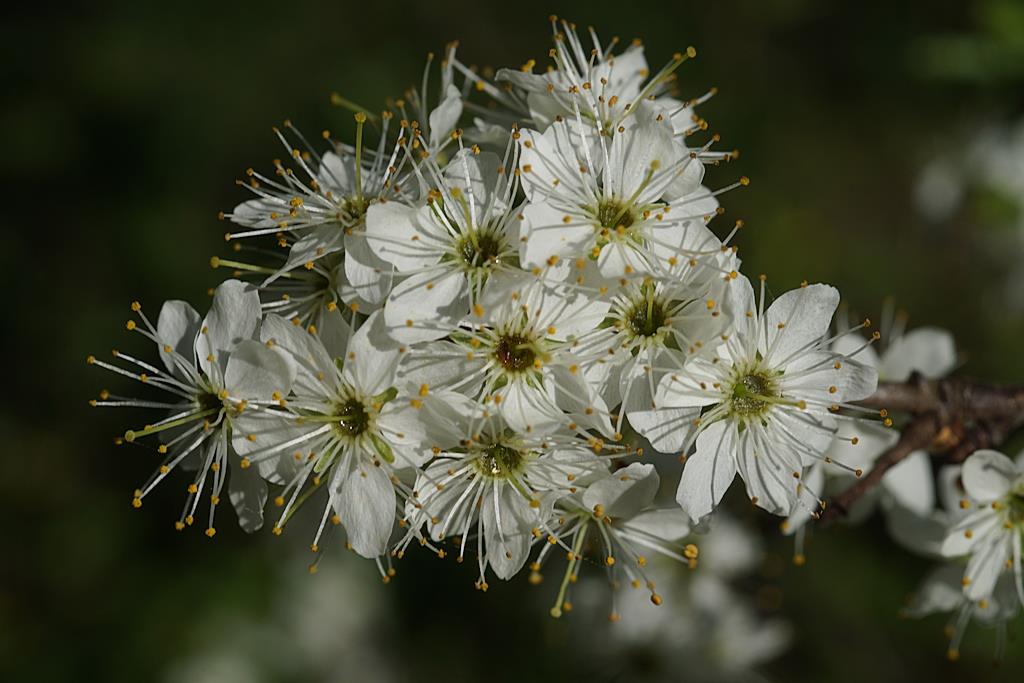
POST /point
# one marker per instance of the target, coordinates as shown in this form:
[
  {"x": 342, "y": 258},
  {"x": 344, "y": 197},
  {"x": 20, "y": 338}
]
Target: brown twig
[{"x": 951, "y": 418}]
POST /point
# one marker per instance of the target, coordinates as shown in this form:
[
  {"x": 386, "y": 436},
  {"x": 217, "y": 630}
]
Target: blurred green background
[{"x": 124, "y": 125}]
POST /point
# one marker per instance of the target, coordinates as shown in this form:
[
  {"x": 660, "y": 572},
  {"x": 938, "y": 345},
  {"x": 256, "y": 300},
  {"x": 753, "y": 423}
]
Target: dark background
[{"x": 123, "y": 128}]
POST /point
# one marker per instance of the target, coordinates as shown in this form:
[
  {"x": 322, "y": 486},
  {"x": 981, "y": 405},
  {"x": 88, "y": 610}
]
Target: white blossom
[
  {"x": 492, "y": 480},
  {"x": 345, "y": 427},
  {"x": 990, "y": 534},
  {"x": 448, "y": 248},
  {"x": 765, "y": 407},
  {"x": 524, "y": 357},
  {"x": 214, "y": 372},
  {"x": 319, "y": 211},
  {"x": 617, "y": 513},
  {"x": 624, "y": 202}
]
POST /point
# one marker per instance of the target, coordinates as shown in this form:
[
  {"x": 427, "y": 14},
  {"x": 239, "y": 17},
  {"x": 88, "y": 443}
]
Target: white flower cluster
[{"x": 456, "y": 332}]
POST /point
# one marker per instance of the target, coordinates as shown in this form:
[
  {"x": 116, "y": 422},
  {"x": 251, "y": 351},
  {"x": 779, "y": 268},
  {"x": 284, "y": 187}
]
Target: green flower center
[
  {"x": 351, "y": 210},
  {"x": 646, "y": 318},
  {"x": 208, "y": 401},
  {"x": 353, "y": 419},
  {"x": 479, "y": 250},
  {"x": 499, "y": 461},
  {"x": 612, "y": 214},
  {"x": 515, "y": 353},
  {"x": 749, "y": 392}
]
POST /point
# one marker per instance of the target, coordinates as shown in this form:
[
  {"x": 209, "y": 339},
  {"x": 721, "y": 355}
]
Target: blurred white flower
[
  {"x": 327, "y": 629},
  {"x": 990, "y": 535},
  {"x": 618, "y": 514},
  {"x": 908, "y": 486},
  {"x": 942, "y": 592}
]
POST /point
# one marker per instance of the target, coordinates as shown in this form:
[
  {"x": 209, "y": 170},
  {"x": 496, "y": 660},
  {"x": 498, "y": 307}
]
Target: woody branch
[{"x": 950, "y": 418}]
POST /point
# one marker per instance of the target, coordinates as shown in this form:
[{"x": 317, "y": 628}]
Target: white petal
[
  {"x": 550, "y": 162},
  {"x": 767, "y": 468},
  {"x": 334, "y": 333},
  {"x": 668, "y": 429},
  {"x": 814, "y": 485},
  {"x": 303, "y": 349},
  {"x": 686, "y": 181},
  {"x": 234, "y": 315},
  {"x": 248, "y": 494},
  {"x": 638, "y": 151},
  {"x": 444, "y": 118},
  {"x": 406, "y": 429},
  {"x": 939, "y": 593},
  {"x": 528, "y": 407},
  {"x": 337, "y": 174},
  {"x": 404, "y": 236},
  {"x": 920, "y": 534},
  {"x": 797, "y": 439},
  {"x": 571, "y": 314},
  {"x": 618, "y": 259},
  {"x": 684, "y": 390},
  {"x": 365, "y": 502},
  {"x": 257, "y": 372},
  {"x": 177, "y": 327},
  {"x": 911, "y": 483},
  {"x": 928, "y": 350},
  {"x": 670, "y": 525},
  {"x": 368, "y": 275},
  {"x": 741, "y": 306},
  {"x": 314, "y": 244},
  {"x": 476, "y": 174},
  {"x": 442, "y": 365},
  {"x": 256, "y": 431},
  {"x": 545, "y": 234},
  {"x": 872, "y": 439},
  {"x": 709, "y": 471},
  {"x": 854, "y": 346},
  {"x": 434, "y": 301},
  {"x": 530, "y": 82},
  {"x": 967, "y": 533},
  {"x": 988, "y": 475},
  {"x": 507, "y": 519},
  {"x": 625, "y": 492},
  {"x": 255, "y": 213},
  {"x": 576, "y": 397},
  {"x": 805, "y": 315},
  {"x": 985, "y": 566},
  {"x": 699, "y": 205},
  {"x": 372, "y": 359}
]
